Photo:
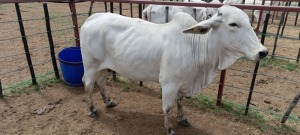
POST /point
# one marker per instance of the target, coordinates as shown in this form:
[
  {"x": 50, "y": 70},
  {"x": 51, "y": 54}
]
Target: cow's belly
[{"x": 138, "y": 69}]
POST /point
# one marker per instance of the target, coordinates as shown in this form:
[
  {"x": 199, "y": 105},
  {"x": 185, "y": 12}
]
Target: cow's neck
[{"x": 206, "y": 50}]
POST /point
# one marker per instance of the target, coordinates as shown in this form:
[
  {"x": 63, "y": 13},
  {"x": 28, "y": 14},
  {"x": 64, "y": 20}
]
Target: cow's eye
[{"x": 233, "y": 25}]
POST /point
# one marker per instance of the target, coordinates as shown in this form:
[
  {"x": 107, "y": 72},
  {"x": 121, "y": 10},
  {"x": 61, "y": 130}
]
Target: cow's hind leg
[
  {"x": 182, "y": 120},
  {"x": 89, "y": 80},
  {"x": 101, "y": 81},
  {"x": 169, "y": 94}
]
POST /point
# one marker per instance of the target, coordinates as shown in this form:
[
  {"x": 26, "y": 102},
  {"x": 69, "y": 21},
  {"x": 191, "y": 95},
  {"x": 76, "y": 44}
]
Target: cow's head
[
  {"x": 155, "y": 13},
  {"x": 234, "y": 35}
]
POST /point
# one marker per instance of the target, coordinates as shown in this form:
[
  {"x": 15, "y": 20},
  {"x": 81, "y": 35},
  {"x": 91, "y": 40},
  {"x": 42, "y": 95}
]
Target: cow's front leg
[
  {"x": 101, "y": 81},
  {"x": 182, "y": 120},
  {"x": 169, "y": 94}
]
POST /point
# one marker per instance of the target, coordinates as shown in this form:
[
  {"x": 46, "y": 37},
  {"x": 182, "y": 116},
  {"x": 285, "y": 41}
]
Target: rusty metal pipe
[{"x": 75, "y": 23}]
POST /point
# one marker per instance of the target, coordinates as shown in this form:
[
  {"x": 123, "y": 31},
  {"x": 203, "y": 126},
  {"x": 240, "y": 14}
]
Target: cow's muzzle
[{"x": 262, "y": 54}]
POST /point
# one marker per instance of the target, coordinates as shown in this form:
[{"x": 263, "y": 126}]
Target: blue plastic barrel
[{"x": 71, "y": 65}]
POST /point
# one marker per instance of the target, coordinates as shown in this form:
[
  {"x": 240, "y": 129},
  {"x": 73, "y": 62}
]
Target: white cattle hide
[
  {"x": 182, "y": 55},
  {"x": 208, "y": 12},
  {"x": 159, "y": 14}
]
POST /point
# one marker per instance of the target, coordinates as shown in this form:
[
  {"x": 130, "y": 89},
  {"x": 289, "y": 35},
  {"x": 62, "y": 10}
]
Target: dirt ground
[{"x": 62, "y": 110}]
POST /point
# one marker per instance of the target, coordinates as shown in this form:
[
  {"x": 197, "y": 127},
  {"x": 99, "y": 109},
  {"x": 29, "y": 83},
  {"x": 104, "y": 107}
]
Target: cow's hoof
[
  {"x": 94, "y": 114},
  {"x": 184, "y": 123},
  {"x": 170, "y": 131},
  {"x": 111, "y": 105}
]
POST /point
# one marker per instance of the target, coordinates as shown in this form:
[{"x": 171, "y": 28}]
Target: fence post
[
  {"x": 291, "y": 107},
  {"x": 111, "y": 4},
  {"x": 105, "y": 6},
  {"x": 131, "y": 13},
  {"x": 1, "y": 91},
  {"x": 221, "y": 87},
  {"x": 51, "y": 44},
  {"x": 296, "y": 19},
  {"x": 277, "y": 35},
  {"x": 298, "y": 57},
  {"x": 273, "y": 12},
  {"x": 252, "y": 15},
  {"x": 74, "y": 19},
  {"x": 120, "y": 8},
  {"x": 257, "y": 63},
  {"x": 24, "y": 39},
  {"x": 91, "y": 8},
  {"x": 259, "y": 18},
  {"x": 285, "y": 20},
  {"x": 140, "y": 10},
  {"x": 273, "y": 16},
  {"x": 195, "y": 13},
  {"x": 140, "y": 16},
  {"x": 167, "y": 14}
]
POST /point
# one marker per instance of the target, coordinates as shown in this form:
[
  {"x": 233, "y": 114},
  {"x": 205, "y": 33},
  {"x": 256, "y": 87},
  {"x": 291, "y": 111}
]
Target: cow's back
[{"x": 131, "y": 47}]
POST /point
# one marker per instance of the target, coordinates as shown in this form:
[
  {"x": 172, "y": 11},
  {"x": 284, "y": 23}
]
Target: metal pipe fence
[
  {"x": 287, "y": 41},
  {"x": 40, "y": 48}
]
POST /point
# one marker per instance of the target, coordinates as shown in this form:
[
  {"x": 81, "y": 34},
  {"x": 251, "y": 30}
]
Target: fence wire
[
  {"x": 61, "y": 23},
  {"x": 258, "y": 92},
  {"x": 270, "y": 76},
  {"x": 36, "y": 36}
]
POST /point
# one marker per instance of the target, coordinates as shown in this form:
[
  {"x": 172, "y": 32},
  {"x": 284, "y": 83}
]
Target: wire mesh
[
  {"x": 275, "y": 83},
  {"x": 14, "y": 67}
]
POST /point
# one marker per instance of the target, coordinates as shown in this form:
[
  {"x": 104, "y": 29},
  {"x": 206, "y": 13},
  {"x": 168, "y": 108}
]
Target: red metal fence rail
[
  {"x": 75, "y": 25},
  {"x": 252, "y": 7}
]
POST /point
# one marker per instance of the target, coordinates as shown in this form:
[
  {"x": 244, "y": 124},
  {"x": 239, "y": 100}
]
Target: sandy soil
[
  {"x": 62, "y": 110},
  {"x": 65, "y": 109}
]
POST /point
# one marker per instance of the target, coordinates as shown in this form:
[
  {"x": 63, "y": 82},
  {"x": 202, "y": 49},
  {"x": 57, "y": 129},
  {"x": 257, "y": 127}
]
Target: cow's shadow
[{"x": 137, "y": 123}]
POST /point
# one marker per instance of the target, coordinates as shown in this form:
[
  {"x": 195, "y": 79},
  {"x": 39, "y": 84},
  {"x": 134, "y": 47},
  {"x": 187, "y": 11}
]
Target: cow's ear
[
  {"x": 204, "y": 26},
  {"x": 197, "y": 29}
]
